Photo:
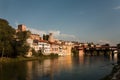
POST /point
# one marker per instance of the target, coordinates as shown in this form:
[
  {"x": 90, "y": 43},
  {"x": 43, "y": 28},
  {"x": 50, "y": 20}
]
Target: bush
[
  {"x": 38, "y": 53},
  {"x": 53, "y": 55}
]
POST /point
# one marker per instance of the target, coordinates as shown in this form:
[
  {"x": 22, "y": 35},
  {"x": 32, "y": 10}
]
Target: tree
[
  {"x": 45, "y": 37},
  {"x": 22, "y": 49},
  {"x": 107, "y": 45},
  {"x": 118, "y": 46},
  {"x": 75, "y": 51},
  {"x": 6, "y": 37},
  {"x": 12, "y": 44},
  {"x": 21, "y": 46}
]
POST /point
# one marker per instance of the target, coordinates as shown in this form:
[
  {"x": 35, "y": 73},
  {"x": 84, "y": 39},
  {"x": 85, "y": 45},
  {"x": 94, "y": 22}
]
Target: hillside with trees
[{"x": 12, "y": 44}]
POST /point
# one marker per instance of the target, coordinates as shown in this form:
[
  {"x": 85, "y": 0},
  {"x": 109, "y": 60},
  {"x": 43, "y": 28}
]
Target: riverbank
[
  {"x": 17, "y": 59},
  {"x": 7, "y": 60},
  {"x": 114, "y": 75}
]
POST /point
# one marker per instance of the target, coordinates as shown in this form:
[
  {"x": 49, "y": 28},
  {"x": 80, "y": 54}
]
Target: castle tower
[
  {"x": 51, "y": 38},
  {"x": 21, "y": 27}
]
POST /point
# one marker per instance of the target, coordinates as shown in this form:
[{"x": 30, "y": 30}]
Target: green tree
[
  {"x": 12, "y": 44},
  {"x": 45, "y": 37},
  {"x": 118, "y": 46},
  {"x": 107, "y": 45},
  {"x": 75, "y": 51},
  {"x": 21, "y": 46},
  {"x": 6, "y": 37}
]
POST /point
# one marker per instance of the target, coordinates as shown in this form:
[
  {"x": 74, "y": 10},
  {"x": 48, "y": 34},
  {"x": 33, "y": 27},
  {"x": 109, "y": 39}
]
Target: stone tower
[
  {"x": 51, "y": 38},
  {"x": 21, "y": 27}
]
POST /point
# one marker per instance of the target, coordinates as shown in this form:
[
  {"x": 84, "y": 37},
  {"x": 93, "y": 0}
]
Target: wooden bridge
[{"x": 103, "y": 50}]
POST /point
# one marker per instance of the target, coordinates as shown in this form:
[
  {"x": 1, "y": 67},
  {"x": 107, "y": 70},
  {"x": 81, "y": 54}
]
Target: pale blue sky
[{"x": 83, "y": 20}]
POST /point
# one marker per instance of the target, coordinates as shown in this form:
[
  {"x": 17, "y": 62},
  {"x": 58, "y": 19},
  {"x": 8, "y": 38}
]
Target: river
[{"x": 61, "y": 68}]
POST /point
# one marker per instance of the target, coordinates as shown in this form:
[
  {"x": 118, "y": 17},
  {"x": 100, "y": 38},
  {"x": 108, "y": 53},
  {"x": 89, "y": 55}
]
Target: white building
[{"x": 44, "y": 47}]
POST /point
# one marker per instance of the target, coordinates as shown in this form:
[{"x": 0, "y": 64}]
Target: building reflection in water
[
  {"x": 47, "y": 68},
  {"x": 81, "y": 57},
  {"x": 52, "y": 69},
  {"x": 84, "y": 60},
  {"x": 29, "y": 66},
  {"x": 113, "y": 57}
]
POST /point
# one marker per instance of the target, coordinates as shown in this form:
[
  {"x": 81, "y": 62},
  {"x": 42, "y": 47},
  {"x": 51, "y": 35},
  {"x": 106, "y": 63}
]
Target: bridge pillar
[
  {"x": 81, "y": 52},
  {"x": 81, "y": 56}
]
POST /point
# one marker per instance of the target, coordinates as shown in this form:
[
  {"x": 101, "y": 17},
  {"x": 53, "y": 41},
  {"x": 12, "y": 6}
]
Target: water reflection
[
  {"x": 48, "y": 68},
  {"x": 13, "y": 71},
  {"x": 29, "y": 66},
  {"x": 81, "y": 57},
  {"x": 78, "y": 68},
  {"x": 113, "y": 57}
]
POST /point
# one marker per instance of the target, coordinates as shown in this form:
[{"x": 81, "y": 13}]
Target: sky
[{"x": 95, "y": 21}]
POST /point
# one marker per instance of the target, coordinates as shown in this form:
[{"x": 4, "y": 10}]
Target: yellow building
[{"x": 66, "y": 49}]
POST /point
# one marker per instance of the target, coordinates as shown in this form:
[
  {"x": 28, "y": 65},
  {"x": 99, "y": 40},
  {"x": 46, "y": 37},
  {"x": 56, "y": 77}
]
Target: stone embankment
[{"x": 116, "y": 73}]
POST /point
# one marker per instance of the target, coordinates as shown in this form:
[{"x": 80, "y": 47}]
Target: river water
[{"x": 61, "y": 68}]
